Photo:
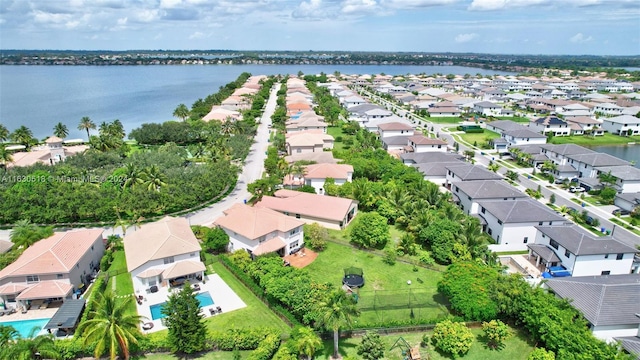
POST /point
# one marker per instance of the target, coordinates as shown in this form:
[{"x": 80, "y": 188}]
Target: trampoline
[{"x": 353, "y": 277}]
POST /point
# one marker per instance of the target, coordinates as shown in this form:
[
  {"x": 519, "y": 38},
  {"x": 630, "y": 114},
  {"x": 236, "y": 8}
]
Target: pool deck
[
  {"x": 32, "y": 314},
  {"x": 220, "y": 292}
]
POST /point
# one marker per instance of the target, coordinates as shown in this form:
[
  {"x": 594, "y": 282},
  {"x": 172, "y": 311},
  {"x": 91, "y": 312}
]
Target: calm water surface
[
  {"x": 41, "y": 96},
  {"x": 625, "y": 152}
]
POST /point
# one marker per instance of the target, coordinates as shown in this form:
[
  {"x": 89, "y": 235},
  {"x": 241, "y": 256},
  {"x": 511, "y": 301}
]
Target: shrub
[
  {"x": 266, "y": 349},
  {"x": 74, "y": 348},
  {"x": 467, "y": 285},
  {"x": 541, "y": 354},
  {"x": 241, "y": 339},
  {"x": 371, "y": 347},
  {"x": 390, "y": 256},
  {"x": 496, "y": 332},
  {"x": 453, "y": 338},
  {"x": 315, "y": 236},
  {"x": 370, "y": 230}
]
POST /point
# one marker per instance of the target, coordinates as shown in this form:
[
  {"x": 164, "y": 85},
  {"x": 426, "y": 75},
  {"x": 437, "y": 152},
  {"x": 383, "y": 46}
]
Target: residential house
[
  {"x": 524, "y": 136},
  {"x": 607, "y": 109},
  {"x": 322, "y": 157},
  {"x": 260, "y": 230},
  {"x": 609, "y": 303},
  {"x": 158, "y": 253},
  {"x": 52, "y": 152},
  {"x": 551, "y": 124},
  {"x": 444, "y": 110},
  {"x": 307, "y": 142},
  {"x": 487, "y": 108},
  {"x": 623, "y": 125},
  {"x": 315, "y": 175},
  {"x": 395, "y": 129},
  {"x": 222, "y": 114},
  {"x": 585, "y": 125},
  {"x": 512, "y": 223},
  {"x": 558, "y": 153},
  {"x": 430, "y": 157},
  {"x": 627, "y": 201},
  {"x": 421, "y": 143},
  {"x": 502, "y": 126},
  {"x": 581, "y": 252},
  {"x": 350, "y": 101},
  {"x": 468, "y": 172},
  {"x": 52, "y": 269},
  {"x": 329, "y": 211},
  {"x": 587, "y": 163},
  {"x": 627, "y": 177},
  {"x": 468, "y": 193}
]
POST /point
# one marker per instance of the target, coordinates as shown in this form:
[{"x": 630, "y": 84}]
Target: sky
[{"x": 569, "y": 27}]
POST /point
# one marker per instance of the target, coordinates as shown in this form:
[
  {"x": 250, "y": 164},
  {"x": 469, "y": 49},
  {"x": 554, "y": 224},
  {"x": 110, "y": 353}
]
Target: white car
[{"x": 576, "y": 189}]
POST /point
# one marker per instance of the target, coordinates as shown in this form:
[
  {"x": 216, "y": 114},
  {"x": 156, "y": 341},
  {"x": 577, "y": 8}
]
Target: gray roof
[
  {"x": 630, "y": 197},
  {"x": 519, "y": 211},
  {"x": 624, "y": 119},
  {"x": 524, "y": 133},
  {"x": 566, "y": 168},
  {"x": 488, "y": 189},
  {"x": 603, "y": 300},
  {"x": 544, "y": 252},
  {"x": 625, "y": 172},
  {"x": 598, "y": 159},
  {"x": 431, "y": 157},
  {"x": 488, "y": 104},
  {"x": 67, "y": 315},
  {"x": 631, "y": 344},
  {"x": 435, "y": 168},
  {"x": 361, "y": 109},
  {"x": 505, "y": 125},
  {"x": 5, "y": 246},
  {"x": 549, "y": 120},
  {"x": 468, "y": 172},
  {"x": 567, "y": 149},
  {"x": 396, "y": 140},
  {"x": 580, "y": 242},
  {"x": 533, "y": 149}
]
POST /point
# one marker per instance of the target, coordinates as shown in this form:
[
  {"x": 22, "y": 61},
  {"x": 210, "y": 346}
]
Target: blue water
[
  {"x": 24, "y": 327},
  {"x": 204, "y": 298},
  {"x": 626, "y": 152},
  {"x": 41, "y": 96}
]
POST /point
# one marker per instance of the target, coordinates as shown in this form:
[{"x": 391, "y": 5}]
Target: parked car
[
  {"x": 621, "y": 212},
  {"x": 576, "y": 189}
]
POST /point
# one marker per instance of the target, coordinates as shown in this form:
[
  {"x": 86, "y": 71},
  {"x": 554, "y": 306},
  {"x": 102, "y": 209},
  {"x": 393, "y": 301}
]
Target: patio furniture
[
  {"x": 219, "y": 309},
  {"x": 147, "y": 326},
  {"x": 10, "y": 311},
  {"x": 196, "y": 287},
  {"x": 212, "y": 311},
  {"x": 153, "y": 289}
]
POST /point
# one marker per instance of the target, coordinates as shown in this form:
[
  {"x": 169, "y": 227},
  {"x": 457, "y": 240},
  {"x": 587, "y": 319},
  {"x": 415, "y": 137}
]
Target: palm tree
[
  {"x": 493, "y": 166},
  {"x": 4, "y": 133},
  {"x": 154, "y": 178},
  {"x": 182, "y": 112},
  {"x": 86, "y": 124},
  {"x": 32, "y": 348},
  {"x": 61, "y": 130},
  {"x": 228, "y": 128},
  {"x": 5, "y": 156},
  {"x": 336, "y": 311},
  {"x": 133, "y": 176},
  {"x": 24, "y": 233},
  {"x": 307, "y": 342},
  {"x": 23, "y": 136},
  {"x": 111, "y": 326},
  {"x": 7, "y": 333}
]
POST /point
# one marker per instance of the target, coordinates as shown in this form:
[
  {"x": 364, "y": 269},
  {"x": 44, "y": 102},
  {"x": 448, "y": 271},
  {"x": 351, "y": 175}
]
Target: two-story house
[
  {"x": 421, "y": 143},
  {"x": 260, "y": 230},
  {"x": 551, "y": 124},
  {"x": 315, "y": 175},
  {"x": 468, "y": 193},
  {"x": 623, "y": 125},
  {"x": 52, "y": 268},
  {"x": 468, "y": 172}
]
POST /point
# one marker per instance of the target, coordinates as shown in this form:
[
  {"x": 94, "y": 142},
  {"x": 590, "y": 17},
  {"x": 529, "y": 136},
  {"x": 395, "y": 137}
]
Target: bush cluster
[
  {"x": 241, "y": 339},
  {"x": 266, "y": 349}
]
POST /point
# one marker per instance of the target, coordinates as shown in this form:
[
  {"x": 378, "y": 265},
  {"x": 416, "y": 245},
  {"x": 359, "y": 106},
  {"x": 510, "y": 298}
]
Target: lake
[
  {"x": 41, "y": 96},
  {"x": 625, "y": 152}
]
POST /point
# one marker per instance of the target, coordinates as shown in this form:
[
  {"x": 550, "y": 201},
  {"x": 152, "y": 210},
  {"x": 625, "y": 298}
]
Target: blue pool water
[
  {"x": 156, "y": 310},
  {"x": 24, "y": 327}
]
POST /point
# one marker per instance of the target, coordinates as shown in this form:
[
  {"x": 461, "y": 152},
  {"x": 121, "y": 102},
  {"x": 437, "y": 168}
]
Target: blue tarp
[{"x": 546, "y": 275}]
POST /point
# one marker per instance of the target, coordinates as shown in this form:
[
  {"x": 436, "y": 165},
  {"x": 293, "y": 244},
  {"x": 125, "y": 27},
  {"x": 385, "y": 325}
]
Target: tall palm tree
[
  {"x": 336, "y": 311},
  {"x": 154, "y": 178},
  {"x": 228, "y": 127},
  {"x": 24, "y": 233},
  {"x": 182, "y": 112},
  {"x": 307, "y": 342},
  {"x": 117, "y": 129},
  {"x": 61, "y": 130},
  {"x": 5, "y": 155},
  {"x": 111, "y": 326},
  {"x": 23, "y": 136},
  {"x": 4, "y": 133},
  {"x": 34, "y": 347},
  {"x": 7, "y": 333},
  {"x": 86, "y": 124}
]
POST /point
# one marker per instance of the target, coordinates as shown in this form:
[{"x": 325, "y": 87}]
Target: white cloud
[
  {"x": 147, "y": 15},
  {"x": 358, "y": 7},
  {"x": 488, "y": 5},
  {"x": 310, "y": 9},
  {"x": 412, "y": 4},
  {"x": 196, "y": 35},
  {"x": 122, "y": 21},
  {"x": 579, "y": 38},
  {"x": 169, "y": 4},
  {"x": 462, "y": 38}
]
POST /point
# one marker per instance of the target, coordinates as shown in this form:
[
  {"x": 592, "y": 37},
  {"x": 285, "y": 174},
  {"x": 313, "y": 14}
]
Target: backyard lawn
[
  {"x": 517, "y": 347},
  {"x": 444, "y": 119},
  {"x": 121, "y": 284},
  {"x": 606, "y": 139},
  {"x": 479, "y": 138},
  {"x": 214, "y": 355}
]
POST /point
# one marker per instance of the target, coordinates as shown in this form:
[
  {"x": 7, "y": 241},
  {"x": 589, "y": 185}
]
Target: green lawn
[
  {"x": 336, "y": 131},
  {"x": 606, "y": 139},
  {"x": 516, "y": 348},
  {"x": 385, "y": 284},
  {"x": 444, "y": 119},
  {"x": 122, "y": 284},
  {"x": 214, "y": 355},
  {"x": 518, "y": 119},
  {"x": 479, "y": 138}
]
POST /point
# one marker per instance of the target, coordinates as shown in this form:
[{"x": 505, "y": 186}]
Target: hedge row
[
  {"x": 267, "y": 348},
  {"x": 241, "y": 339}
]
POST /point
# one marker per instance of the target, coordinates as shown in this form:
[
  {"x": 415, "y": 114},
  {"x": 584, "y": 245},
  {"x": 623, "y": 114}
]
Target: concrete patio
[{"x": 220, "y": 292}]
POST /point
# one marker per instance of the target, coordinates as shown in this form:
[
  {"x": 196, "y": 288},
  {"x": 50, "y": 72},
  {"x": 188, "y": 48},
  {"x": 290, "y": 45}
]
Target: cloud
[
  {"x": 488, "y": 5},
  {"x": 359, "y": 7},
  {"x": 413, "y": 4},
  {"x": 463, "y": 38},
  {"x": 196, "y": 35},
  {"x": 312, "y": 9},
  {"x": 579, "y": 38}
]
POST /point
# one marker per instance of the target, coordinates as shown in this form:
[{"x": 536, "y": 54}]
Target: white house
[
  {"x": 421, "y": 143},
  {"x": 524, "y": 137},
  {"x": 627, "y": 201},
  {"x": 607, "y": 109},
  {"x": 558, "y": 153},
  {"x": 609, "y": 303},
  {"x": 587, "y": 164},
  {"x": 315, "y": 175},
  {"x": 552, "y": 124},
  {"x": 622, "y": 125},
  {"x": 468, "y": 172},
  {"x": 260, "y": 230},
  {"x": 580, "y": 252},
  {"x": 394, "y": 129},
  {"x": 627, "y": 177},
  {"x": 468, "y": 193},
  {"x": 162, "y": 251},
  {"x": 512, "y": 223},
  {"x": 487, "y": 108}
]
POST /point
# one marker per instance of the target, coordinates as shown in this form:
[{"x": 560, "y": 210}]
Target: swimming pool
[
  {"x": 24, "y": 327},
  {"x": 204, "y": 298}
]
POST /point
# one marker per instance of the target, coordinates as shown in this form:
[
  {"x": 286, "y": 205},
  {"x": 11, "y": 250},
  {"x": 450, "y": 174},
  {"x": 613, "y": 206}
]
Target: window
[
  {"x": 298, "y": 150},
  {"x": 540, "y": 223},
  {"x": 297, "y": 216},
  {"x": 293, "y": 232},
  {"x": 293, "y": 245},
  {"x": 91, "y": 247},
  {"x": 526, "y": 239},
  {"x": 32, "y": 278},
  {"x": 192, "y": 255},
  {"x": 567, "y": 254},
  {"x": 489, "y": 231},
  {"x": 607, "y": 272},
  {"x": 554, "y": 244},
  {"x": 500, "y": 222},
  {"x": 455, "y": 188},
  {"x": 606, "y": 256},
  {"x": 169, "y": 260},
  {"x": 59, "y": 276},
  {"x": 550, "y": 222},
  {"x": 483, "y": 210},
  {"x": 619, "y": 256}
]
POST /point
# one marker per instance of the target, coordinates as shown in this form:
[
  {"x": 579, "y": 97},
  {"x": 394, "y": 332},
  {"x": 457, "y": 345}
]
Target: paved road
[
  {"x": 563, "y": 197},
  {"x": 251, "y": 171}
]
